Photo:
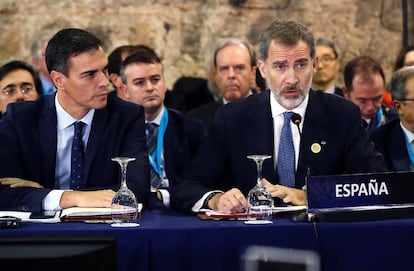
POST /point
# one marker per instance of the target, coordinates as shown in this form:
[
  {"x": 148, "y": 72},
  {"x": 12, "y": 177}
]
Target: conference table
[{"x": 176, "y": 241}]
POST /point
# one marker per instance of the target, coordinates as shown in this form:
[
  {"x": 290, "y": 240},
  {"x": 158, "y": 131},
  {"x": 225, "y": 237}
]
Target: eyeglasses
[
  {"x": 327, "y": 60},
  {"x": 11, "y": 90}
]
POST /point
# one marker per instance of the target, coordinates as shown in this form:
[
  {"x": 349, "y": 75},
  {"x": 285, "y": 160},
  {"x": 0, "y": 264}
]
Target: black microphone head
[{"x": 296, "y": 118}]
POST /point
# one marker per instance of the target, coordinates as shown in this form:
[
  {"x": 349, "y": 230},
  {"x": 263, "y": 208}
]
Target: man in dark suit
[
  {"x": 37, "y": 136},
  {"x": 234, "y": 75},
  {"x": 365, "y": 86},
  {"x": 395, "y": 138},
  {"x": 173, "y": 139},
  {"x": 331, "y": 141}
]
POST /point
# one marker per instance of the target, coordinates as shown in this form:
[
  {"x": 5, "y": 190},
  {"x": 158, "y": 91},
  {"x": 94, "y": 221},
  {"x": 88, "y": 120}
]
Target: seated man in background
[
  {"x": 235, "y": 71},
  {"x": 365, "y": 86},
  {"x": 395, "y": 139},
  {"x": 65, "y": 141},
  {"x": 18, "y": 82},
  {"x": 38, "y": 51},
  {"x": 331, "y": 141},
  {"x": 327, "y": 68},
  {"x": 173, "y": 139},
  {"x": 115, "y": 59}
]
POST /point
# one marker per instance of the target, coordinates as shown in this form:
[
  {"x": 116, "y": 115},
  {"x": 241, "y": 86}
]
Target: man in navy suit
[
  {"x": 365, "y": 86},
  {"x": 36, "y": 137},
  {"x": 173, "y": 138},
  {"x": 395, "y": 138},
  {"x": 329, "y": 139}
]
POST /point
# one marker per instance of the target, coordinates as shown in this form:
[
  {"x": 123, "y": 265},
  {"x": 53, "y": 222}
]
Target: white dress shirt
[
  {"x": 65, "y": 130},
  {"x": 278, "y": 119}
]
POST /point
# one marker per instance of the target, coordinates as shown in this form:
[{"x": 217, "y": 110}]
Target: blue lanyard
[
  {"x": 409, "y": 150},
  {"x": 155, "y": 156},
  {"x": 379, "y": 116}
]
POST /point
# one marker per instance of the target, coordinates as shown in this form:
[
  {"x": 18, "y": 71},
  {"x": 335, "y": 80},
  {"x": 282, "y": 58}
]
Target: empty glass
[
  {"x": 125, "y": 209},
  {"x": 259, "y": 198}
]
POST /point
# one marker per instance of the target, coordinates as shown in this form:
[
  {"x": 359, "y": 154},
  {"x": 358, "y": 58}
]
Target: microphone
[{"x": 297, "y": 119}]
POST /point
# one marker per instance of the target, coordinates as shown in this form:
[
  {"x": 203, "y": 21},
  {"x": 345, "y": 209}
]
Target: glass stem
[
  {"x": 259, "y": 164},
  {"x": 123, "y": 174}
]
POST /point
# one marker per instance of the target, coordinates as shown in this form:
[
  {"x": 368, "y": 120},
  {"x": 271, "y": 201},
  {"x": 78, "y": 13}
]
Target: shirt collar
[
  {"x": 158, "y": 118},
  {"x": 409, "y": 135},
  {"x": 64, "y": 119}
]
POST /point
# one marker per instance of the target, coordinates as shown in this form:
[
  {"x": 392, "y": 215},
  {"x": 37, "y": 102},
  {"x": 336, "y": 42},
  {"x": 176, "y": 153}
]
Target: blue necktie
[
  {"x": 77, "y": 175},
  {"x": 286, "y": 156},
  {"x": 152, "y": 137}
]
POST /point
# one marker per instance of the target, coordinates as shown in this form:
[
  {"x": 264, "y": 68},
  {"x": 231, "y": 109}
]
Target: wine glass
[
  {"x": 260, "y": 200},
  {"x": 125, "y": 208}
]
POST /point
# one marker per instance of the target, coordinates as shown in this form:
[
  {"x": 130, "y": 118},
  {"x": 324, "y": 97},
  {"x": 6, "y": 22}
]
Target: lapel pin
[{"x": 315, "y": 148}]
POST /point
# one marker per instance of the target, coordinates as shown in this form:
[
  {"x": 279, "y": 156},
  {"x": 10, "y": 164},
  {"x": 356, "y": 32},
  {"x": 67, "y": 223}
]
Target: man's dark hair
[
  {"x": 15, "y": 65},
  {"x": 329, "y": 44},
  {"x": 115, "y": 57},
  {"x": 399, "y": 61},
  {"x": 361, "y": 64},
  {"x": 67, "y": 43},
  {"x": 143, "y": 54},
  {"x": 285, "y": 32}
]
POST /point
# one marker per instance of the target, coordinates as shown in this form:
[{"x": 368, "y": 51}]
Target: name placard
[{"x": 360, "y": 190}]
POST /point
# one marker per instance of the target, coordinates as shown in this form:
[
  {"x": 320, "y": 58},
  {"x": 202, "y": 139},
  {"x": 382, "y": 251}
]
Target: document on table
[{"x": 278, "y": 210}]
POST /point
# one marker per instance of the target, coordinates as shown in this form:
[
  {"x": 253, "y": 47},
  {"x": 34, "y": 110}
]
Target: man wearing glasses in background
[
  {"x": 327, "y": 68},
  {"x": 18, "y": 82},
  {"x": 395, "y": 140}
]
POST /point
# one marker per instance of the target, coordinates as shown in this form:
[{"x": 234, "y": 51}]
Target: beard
[{"x": 291, "y": 102}]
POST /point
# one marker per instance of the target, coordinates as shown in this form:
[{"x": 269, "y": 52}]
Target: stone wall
[{"x": 181, "y": 31}]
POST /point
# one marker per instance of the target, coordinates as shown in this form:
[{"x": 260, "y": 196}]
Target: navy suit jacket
[
  {"x": 182, "y": 141},
  {"x": 390, "y": 140},
  {"x": 245, "y": 127},
  {"x": 28, "y": 150}
]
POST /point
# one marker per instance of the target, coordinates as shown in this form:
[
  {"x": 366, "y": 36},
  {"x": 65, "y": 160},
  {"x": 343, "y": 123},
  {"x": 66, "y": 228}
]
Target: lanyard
[
  {"x": 155, "y": 156},
  {"x": 379, "y": 116},
  {"x": 409, "y": 149}
]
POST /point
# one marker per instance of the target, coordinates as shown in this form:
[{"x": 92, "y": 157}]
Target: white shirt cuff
[{"x": 52, "y": 200}]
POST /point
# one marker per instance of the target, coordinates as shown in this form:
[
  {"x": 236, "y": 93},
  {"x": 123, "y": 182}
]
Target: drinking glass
[
  {"x": 125, "y": 209},
  {"x": 259, "y": 198}
]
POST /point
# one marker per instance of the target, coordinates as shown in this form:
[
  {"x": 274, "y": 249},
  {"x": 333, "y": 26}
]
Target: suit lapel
[
  {"x": 48, "y": 139},
  {"x": 313, "y": 132},
  {"x": 262, "y": 132},
  {"x": 398, "y": 150}
]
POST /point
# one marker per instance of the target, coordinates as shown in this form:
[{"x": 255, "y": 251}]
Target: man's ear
[
  {"x": 57, "y": 79},
  {"x": 123, "y": 88},
  {"x": 261, "y": 67},
  {"x": 397, "y": 106},
  {"x": 345, "y": 91}
]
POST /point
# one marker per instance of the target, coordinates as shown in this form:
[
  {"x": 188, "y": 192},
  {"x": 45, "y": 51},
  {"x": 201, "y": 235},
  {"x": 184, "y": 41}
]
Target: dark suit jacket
[
  {"x": 389, "y": 139},
  {"x": 206, "y": 112},
  {"x": 389, "y": 114},
  {"x": 246, "y": 127},
  {"x": 182, "y": 141},
  {"x": 28, "y": 150},
  {"x": 188, "y": 93}
]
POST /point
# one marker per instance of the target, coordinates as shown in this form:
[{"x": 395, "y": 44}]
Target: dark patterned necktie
[
  {"x": 152, "y": 134},
  {"x": 77, "y": 175},
  {"x": 286, "y": 156}
]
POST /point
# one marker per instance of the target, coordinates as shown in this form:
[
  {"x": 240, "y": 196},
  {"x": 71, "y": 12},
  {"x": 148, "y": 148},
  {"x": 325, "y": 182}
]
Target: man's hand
[
  {"x": 17, "y": 182},
  {"x": 99, "y": 198},
  {"x": 233, "y": 201},
  {"x": 287, "y": 194}
]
